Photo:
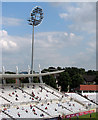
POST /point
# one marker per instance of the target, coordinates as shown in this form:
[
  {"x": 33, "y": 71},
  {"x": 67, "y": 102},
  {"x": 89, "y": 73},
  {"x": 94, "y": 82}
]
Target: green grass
[{"x": 94, "y": 116}]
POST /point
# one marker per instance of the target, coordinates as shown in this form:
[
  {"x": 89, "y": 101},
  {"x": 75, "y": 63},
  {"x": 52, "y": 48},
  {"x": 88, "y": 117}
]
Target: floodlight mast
[{"x": 35, "y": 19}]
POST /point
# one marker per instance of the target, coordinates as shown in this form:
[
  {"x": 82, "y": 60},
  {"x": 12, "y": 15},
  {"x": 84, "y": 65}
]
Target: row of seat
[
  {"x": 48, "y": 103},
  {"x": 91, "y": 96}
]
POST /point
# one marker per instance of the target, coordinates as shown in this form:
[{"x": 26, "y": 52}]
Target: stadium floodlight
[{"x": 35, "y": 19}]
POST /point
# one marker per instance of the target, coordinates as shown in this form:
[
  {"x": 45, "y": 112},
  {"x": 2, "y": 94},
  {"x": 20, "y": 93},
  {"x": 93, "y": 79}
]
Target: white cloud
[
  {"x": 8, "y": 21},
  {"x": 12, "y": 44},
  {"x": 6, "y": 41},
  {"x": 4, "y": 44},
  {"x": 57, "y": 39},
  {"x": 47, "y": 49},
  {"x": 3, "y": 33},
  {"x": 50, "y": 48},
  {"x": 58, "y": 48},
  {"x": 72, "y": 35},
  {"x": 64, "y": 15},
  {"x": 65, "y": 33},
  {"x": 86, "y": 60},
  {"x": 83, "y": 16},
  {"x": 82, "y": 19},
  {"x": 92, "y": 46}
]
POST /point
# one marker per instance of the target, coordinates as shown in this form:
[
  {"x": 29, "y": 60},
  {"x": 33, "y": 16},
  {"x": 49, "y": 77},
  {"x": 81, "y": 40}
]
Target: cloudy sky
[{"x": 66, "y": 37}]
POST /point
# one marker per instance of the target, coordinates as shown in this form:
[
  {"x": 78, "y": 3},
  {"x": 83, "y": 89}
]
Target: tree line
[{"x": 72, "y": 77}]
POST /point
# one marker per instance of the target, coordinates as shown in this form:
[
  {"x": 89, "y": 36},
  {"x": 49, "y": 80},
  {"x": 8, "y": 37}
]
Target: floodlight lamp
[{"x": 36, "y": 16}]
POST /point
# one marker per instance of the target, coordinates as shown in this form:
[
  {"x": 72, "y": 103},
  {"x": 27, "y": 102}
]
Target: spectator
[
  {"x": 16, "y": 99},
  {"x": 39, "y": 98},
  {"x": 32, "y": 98},
  {"x": 42, "y": 115},
  {"x": 62, "y": 107},
  {"x": 33, "y": 86},
  {"x": 59, "y": 118},
  {"x": 17, "y": 107},
  {"x": 22, "y": 91},
  {"x": 47, "y": 90},
  {"x": 45, "y": 108},
  {"x": 18, "y": 114},
  {"x": 16, "y": 95},
  {"x": 47, "y": 103},
  {"x": 24, "y": 96},
  {"x": 33, "y": 110},
  {"x": 5, "y": 109},
  {"x": 62, "y": 96},
  {"x": 22, "y": 108},
  {"x": 10, "y": 95},
  {"x": 33, "y": 95},
  {"x": 26, "y": 111},
  {"x": 41, "y": 104},
  {"x": 90, "y": 115},
  {"x": 35, "y": 113},
  {"x": 77, "y": 117},
  {"x": 2, "y": 91},
  {"x": 30, "y": 106},
  {"x": 59, "y": 105},
  {"x": 46, "y": 95}
]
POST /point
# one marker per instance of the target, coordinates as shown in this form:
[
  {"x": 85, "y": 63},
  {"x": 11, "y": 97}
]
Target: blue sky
[
  {"x": 66, "y": 37},
  {"x": 22, "y": 11}
]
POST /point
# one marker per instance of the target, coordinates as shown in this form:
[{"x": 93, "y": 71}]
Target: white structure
[
  {"x": 17, "y": 80},
  {"x": 29, "y": 74},
  {"x": 37, "y": 101},
  {"x": 3, "y": 72},
  {"x": 40, "y": 77}
]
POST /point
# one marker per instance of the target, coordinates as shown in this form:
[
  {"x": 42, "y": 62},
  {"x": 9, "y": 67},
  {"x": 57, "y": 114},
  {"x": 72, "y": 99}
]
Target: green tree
[
  {"x": 77, "y": 79},
  {"x": 49, "y": 80},
  {"x": 64, "y": 80},
  {"x": 96, "y": 79},
  {"x": 10, "y": 81},
  {"x": 90, "y": 72},
  {"x": 59, "y": 68}
]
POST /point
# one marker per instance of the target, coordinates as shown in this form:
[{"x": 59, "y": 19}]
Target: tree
[
  {"x": 51, "y": 69},
  {"x": 77, "y": 79},
  {"x": 64, "y": 80},
  {"x": 59, "y": 68},
  {"x": 50, "y": 80},
  {"x": 10, "y": 80},
  {"x": 90, "y": 72},
  {"x": 96, "y": 79}
]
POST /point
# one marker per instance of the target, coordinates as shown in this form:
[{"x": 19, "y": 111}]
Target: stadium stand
[
  {"x": 91, "y": 96},
  {"x": 39, "y": 101},
  {"x": 81, "y": 99}
]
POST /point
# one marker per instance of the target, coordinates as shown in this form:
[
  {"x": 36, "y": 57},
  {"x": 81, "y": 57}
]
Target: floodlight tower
[{"x": 35, "y": 19}]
